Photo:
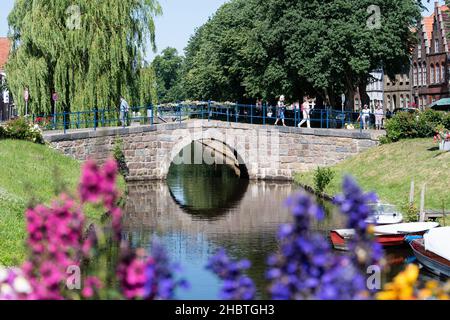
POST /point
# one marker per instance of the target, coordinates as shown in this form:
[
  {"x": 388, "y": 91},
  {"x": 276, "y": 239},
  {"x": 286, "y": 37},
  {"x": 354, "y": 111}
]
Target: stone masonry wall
[{"x": 268, "y": 152}]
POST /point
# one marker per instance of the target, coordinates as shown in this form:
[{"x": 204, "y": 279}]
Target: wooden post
[
  {"x": 411, "y": 194},
  {"x": 422, "y": 204}
]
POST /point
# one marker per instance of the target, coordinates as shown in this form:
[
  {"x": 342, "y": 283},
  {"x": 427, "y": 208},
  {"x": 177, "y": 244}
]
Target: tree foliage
[
  {"x": 90, "y": 52},
  {"x": 167, "y": 68},
  {"x": 266, "y": 48}
]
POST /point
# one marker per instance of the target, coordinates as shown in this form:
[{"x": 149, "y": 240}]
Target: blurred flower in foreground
[
  {"x": 236, "y": 285},
  {"x": 306, "y": 266},
  {"x": 405, "y": 286}
]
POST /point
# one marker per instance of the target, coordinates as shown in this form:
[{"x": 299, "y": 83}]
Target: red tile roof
[
  {"x": 428, "y": 26},
  {"x": 5, "y": 46}
]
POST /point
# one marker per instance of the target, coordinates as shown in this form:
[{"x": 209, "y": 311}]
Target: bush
[
  {"x": 322, "y": 178},
  {"x": 2, "y": 133},
  {"x": 384, "y": 140},
  {"x": 22, "y": 129},
  {"x": 411, "y": 213},
  {"x": 446, "y": 120},
  {"x": 405, "y": 125},
  {"x": 120, "y": 157}
]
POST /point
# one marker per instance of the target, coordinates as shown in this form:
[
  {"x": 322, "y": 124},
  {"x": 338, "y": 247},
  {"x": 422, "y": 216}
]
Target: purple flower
[
  {"x": 306, "y": 267},
  {"x": 355, "y": 204},
  {"x": 236, "y": 285}
]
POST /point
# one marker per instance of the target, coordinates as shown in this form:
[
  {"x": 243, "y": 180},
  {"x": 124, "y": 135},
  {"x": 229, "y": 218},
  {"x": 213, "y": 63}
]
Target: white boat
[
  {"x": 406, "y": 228},
  {"x": 385, "y": 214},
  {"x": 387, "y": 235},
  {"x": 433, "y": 251}
]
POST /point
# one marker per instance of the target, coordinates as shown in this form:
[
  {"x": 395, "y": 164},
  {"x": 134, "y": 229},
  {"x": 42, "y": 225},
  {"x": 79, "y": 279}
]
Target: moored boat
[
  {"x": 387, "y": 236},
  {"x": 384, "y": 214},
  {"x": 433, "y": 251}
]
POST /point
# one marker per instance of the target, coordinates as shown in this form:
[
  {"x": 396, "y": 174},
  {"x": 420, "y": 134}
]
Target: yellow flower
[
  {"x": 370, "y": 229},
  {"x": 425, "y": 294},
  {"x": 412, "y": 273},
  {"x": 432, "y": 285},
  {"x": 386, "y": 295}
]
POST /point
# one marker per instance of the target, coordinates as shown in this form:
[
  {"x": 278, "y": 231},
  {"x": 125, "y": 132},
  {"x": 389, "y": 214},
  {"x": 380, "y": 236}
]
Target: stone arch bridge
[{"x": 255, "y": 151}]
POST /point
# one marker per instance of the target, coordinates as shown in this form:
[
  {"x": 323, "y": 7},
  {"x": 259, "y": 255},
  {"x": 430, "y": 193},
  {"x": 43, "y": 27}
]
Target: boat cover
[
  {"x": 406, "y": 228},
  {"x": 438, "y": 241}
]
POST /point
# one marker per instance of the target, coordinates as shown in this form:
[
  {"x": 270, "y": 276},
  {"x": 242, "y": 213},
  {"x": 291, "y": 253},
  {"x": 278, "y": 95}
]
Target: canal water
[{"x": 202, "y": 208}]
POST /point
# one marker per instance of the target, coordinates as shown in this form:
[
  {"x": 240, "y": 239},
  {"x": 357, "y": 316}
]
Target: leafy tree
[
  {"x": 321, "y": 47},
  {"x": 90, "y": 52},
  {"x": 216, "y": 55},
  {"x": 167, "y": 67}
]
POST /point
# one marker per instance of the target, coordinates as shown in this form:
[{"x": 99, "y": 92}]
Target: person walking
[
  {"x": 379, "y": 116},
  {"x": 306, "y": 111},
  {"x": 259, "y": 105},
  {"x": 124, "y": 108},
  {"x": 365, "y": 117},
  {"x": 281, "y": 109}
]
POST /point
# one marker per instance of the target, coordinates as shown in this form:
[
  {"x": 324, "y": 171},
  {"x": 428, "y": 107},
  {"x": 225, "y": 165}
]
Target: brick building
[
  {"x": 430, "y": 60},
  {"x": 397, "y": 92}
]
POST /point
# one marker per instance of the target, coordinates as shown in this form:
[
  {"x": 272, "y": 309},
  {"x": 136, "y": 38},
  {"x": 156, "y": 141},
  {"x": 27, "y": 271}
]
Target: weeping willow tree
[{"x": 88, "y": 51}]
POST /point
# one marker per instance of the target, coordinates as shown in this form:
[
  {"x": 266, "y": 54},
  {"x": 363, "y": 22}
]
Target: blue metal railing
[{"x": 237, "y": 113}]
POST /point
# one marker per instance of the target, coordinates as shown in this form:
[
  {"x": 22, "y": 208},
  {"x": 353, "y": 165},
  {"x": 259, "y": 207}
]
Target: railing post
[
  {"x": 328, "y": 118},
  {"x": 64, "y": 121},
  {"x": 228, "y": 115},
  {"x": 95, "y": 120},
  {"x": 321, "y": 119},
  {"x": 209, "y": 110},
  {"x": 103, "y": 117},
  {"x": 251, "y": 113},
  {"x": 264, "y": 111},
  {"x": 360, "y": 122},
  {"x": 236, "y": 112},
  {"x": 179, "y": 112}
]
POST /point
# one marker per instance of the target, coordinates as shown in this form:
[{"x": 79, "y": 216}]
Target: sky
[{"x": 173, "y": 28}]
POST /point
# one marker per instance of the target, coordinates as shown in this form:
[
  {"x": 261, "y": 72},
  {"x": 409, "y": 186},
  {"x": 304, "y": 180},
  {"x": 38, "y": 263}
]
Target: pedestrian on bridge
[
  {"x": 365, "y": 117},
  {"x": 124, "y": 109},
  {"x": 379, "y": 116},
  {"x": 281, "y": 109},
  {"x": 306, "y": 111}
]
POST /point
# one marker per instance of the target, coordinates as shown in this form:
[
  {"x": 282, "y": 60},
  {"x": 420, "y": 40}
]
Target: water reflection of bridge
[{"x": 151, "y": 206}]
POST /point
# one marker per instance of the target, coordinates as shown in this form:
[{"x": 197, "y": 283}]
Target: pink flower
[
  {"x": 91, "y": 285},
  {"x": 91, "y": 183}
]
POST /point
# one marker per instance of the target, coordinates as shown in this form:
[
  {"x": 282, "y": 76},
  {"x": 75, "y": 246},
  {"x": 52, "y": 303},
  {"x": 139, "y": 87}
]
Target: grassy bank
[
  {"x": 29, "y": 173},
  {"x": 389, "y": 169}
]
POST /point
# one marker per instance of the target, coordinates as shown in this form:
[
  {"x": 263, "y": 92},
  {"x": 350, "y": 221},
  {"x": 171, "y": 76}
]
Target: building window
[
  {"x": 438, "y": 73},
  {"x": 408, "y": 101},
  {"x": 436, "y": 46},
  {"x": 414, "y": 75},
  {"x": 442, "y": 72},
  {"x": 432, "y": 74},
  {"x": 425, "y": 78},
  {"x": 420, "y": 80},
  {"x": 419, "y": 51}
]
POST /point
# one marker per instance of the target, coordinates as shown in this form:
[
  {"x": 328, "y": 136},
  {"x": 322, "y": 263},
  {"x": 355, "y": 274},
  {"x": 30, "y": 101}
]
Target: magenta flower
[
  {"x": 91, "y": 286},
  {"x": 91, "y": 183}
]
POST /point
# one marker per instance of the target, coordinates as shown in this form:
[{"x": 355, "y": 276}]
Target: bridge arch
[{"x": 207, "y": 147}]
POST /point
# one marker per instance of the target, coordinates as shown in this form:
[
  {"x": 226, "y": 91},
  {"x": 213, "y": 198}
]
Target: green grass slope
[
  {"x": 29, "y": 173},
  {"x": 389, "y": 169}
]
